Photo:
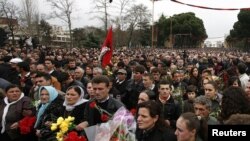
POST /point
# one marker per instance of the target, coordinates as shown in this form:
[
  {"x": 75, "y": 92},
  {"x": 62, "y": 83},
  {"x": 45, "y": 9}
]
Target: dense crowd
[{"x": 174, "y": 94}]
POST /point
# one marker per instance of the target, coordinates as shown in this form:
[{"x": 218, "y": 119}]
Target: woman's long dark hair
[{"x": 234, "y": 101}]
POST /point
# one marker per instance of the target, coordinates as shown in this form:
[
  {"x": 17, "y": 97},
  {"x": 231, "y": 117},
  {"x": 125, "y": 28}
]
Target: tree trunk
[
  {"x": 106, "y": 18},
  {"x": 70, "y": 32}
]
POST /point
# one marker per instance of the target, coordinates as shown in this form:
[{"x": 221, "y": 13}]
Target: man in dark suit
[
  {"x": 102, "y": 107},
  {"x": 121, "y": 82}
]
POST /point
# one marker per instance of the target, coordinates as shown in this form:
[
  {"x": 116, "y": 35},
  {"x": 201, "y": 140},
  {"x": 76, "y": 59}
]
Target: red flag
[{"x": 106, "y": 50}]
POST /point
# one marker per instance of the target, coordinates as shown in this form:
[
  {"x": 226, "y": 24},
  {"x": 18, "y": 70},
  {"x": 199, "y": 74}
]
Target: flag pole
[{"x": 153, "y": 23}]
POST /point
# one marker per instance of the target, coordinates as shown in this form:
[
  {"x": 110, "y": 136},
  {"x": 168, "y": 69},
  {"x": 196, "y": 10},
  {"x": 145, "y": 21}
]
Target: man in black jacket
[
  {"x": 103, "y": 106},
  {"x": 171, "y": 109}
]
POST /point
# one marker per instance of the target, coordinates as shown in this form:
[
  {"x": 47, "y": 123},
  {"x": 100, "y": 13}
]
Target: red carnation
[
  {"x": 72, "y": 136},
  {"x": 104, "y": 117},
  {"x": 26, "y": 124},
  {"x": 122, "y": 132},
  {"x": 82, "y": 138},
  {"x": 92, "y": 105},
  {"x": 133, "y": 111},
  {"x": 114, "y": 139}
]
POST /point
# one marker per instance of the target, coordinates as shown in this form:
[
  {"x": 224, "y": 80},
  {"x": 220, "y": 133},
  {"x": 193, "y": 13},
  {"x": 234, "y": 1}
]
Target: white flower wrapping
[{"x": 120, "y": 127}]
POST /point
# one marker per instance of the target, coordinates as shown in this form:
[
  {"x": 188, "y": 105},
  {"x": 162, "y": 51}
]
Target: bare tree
[
  {"x": 63, "y": 10},
  {"x": 9, "y": 11},
  {"x": 122, "y": 7},
  {"x": 102, "y": 8},
  {"x": 136, "y": 15},
  {"x": 30, "y": 15}
]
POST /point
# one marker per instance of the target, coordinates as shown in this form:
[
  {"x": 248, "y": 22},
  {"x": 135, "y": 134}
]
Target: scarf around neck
[
  {"x": 52, "y": 96},
  {"x": 6, "y": 108},
  {"x": 80, "y": 100}
]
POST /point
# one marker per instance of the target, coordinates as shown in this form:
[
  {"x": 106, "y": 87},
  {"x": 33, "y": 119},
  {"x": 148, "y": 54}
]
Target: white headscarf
[
  {"x": 80, "y": 100},
  {"x": 6, "y": 108}
]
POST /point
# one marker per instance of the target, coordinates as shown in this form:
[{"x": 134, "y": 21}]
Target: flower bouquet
[
  {"x": 121, "y": 127},
  {"x": 26, "y": 124},
  {"x": 64, "y": 126}
]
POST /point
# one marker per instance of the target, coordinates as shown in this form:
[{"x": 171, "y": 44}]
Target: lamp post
[
  {"x": 153, "y": 1},
  {"x": 171, "y": 34}
]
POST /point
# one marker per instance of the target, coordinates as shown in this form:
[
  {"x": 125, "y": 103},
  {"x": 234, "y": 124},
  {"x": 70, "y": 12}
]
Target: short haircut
[
  {"x": 121, "y": 64},
  {"x": 24, "y": 65},
  {"x": 11, "y": 86},
  {"x": 242, "y": 68},
  {"x": 139, "y": 68},
  {"x": 98, "y": 70},
  {"x": 72, "y": 59},
  {"x": 165, "y": 82},
  {"x": 48, "y": 59},
  {"x": 100, "y": 79},
  {"x": 203, "y": 100},
  {"x": 46, "y": 76},
  {"x": 64, "y": 76},
  {"x": 151, "y": 77},
  {"x": 191, "y": 88},
  {"x": 81, "y": 69},
  {"x": 155, "y": 70}
]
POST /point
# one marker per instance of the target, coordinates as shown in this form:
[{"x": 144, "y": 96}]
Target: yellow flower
[
  {"x": 53, "y": 126},
  {"x": 59, "y": 120},
  {"x": 64, "y": 129},
  {"x": 59, "y": 136},
  {"x": 69, "y": 119},
  {"x": 64, "y": 126}
]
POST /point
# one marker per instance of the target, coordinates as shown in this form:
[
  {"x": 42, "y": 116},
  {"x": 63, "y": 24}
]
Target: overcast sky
[{"x": 217, "y": 23}]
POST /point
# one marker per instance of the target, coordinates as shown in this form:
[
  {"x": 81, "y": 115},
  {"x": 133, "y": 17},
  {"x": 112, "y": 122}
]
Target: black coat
[
  {"x": 78, "y": 113},
  {"x": 91, "y": 114},
  {"x": 121, "y": 86},
  {"x": 156, "y": 134},
  {"x": 132, "y": 93},
  {"x": 52, "y": 112},
  {"x": 171, "y": 111}
]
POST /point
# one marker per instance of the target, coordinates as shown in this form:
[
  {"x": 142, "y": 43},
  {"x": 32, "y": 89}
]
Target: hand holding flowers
[{"x": 105, "y": 115}]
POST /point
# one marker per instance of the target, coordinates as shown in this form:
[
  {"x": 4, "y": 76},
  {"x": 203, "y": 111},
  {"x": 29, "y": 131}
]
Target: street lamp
[
  {"x": 171, "y": 33},
  {"x": 153, "y": 2}
]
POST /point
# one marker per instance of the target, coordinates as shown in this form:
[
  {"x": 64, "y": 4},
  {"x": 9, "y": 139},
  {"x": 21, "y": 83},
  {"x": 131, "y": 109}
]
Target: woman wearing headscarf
[
  {"x": 74, "y": 105},
  {"x": 13, "y": 108},
  {"x": 49, "y": 110}
]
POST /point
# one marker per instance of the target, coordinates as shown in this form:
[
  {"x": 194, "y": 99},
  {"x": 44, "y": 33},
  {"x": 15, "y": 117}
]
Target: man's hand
[
  {"x": 14, "y": 125},
  {"x": 81, "y": 126}
]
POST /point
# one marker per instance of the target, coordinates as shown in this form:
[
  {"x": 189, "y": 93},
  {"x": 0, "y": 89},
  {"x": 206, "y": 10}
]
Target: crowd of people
[{"x": 174, "y": 94}]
